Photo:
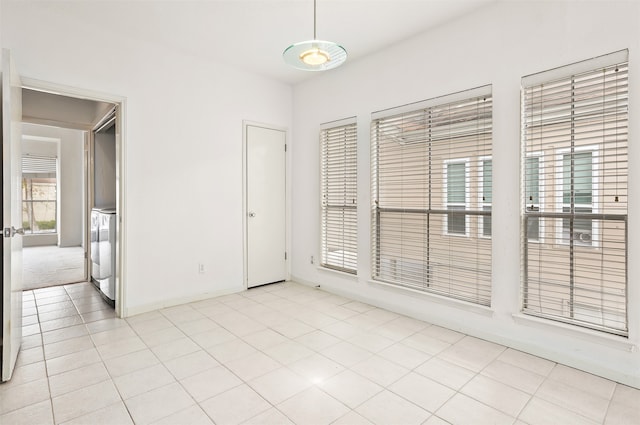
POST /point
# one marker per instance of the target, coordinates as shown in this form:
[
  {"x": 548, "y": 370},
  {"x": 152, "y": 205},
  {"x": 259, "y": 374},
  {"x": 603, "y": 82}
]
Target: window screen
[
  {"x": 338, "y": 143},
  {"x": 575, "y": 193},
  {"x": 427, "y": 210}
]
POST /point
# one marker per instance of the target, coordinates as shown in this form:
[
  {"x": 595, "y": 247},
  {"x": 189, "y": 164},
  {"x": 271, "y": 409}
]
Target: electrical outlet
[
  {"x": 312, "y": 260},
  {"x": 200, "y": 268}
]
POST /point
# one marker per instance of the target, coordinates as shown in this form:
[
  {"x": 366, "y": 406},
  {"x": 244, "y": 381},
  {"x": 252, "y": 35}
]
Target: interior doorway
[
  {"x": 60, "y": 253},
  {"x": 53, "y": 186}
]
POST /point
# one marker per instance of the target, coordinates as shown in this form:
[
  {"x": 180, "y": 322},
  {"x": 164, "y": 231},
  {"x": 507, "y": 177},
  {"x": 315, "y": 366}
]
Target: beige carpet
[{"x": 49, "y": 266}]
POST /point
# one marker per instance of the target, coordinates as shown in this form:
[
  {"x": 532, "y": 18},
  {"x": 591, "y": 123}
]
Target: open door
[{"x": 11, "y": 216}]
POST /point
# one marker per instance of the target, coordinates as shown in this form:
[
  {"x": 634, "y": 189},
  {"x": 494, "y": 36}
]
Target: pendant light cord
[{"x": 314, "y": 20}]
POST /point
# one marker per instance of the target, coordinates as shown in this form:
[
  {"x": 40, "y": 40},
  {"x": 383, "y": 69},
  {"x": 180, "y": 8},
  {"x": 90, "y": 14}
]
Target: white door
[
  {"x": 266, "y": 205},
  {"x": 11, "y": 216}
]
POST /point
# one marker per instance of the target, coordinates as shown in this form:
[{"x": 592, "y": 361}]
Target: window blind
[
  {"x": 338, "y": 141},
  {"x": 574, "y": 203},
  {"x": 427, "y": 212},
  {"x": 486, "y": 195},
  {"x": 42, "y": 165}
]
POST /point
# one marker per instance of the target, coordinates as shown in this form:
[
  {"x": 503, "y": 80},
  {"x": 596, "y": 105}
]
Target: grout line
[{"x": 242, "y": 304}]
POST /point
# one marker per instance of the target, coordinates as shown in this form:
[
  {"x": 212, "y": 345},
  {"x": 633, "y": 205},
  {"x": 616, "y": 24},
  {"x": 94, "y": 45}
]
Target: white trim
[
  {"x": 610, "y": 340},
  {"x": 40, "y": 139},
  {"x": 341, "y": 273},
  {"x": 121, "y": 234},
  {"x": 440, "y": 299},
  {"x": 435, "y": 101},
  {"x": 575, "y": 68},
  {"x": 146, "y": 308},
  {"x": 338, "y": 123},
  {"x": 401, "y": 290},
  {"x": 69, "y": 91}
]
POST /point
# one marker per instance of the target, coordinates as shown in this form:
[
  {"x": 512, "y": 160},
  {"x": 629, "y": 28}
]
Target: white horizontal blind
[
  {"x": 427, "y": 212},
  {"x": 575, "y": 166},
  {"x": 339, "y": 196},
  {"x": 42, "y": 165}
]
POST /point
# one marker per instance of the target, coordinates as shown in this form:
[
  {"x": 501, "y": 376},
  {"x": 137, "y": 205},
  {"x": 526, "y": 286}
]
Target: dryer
[{"x": 103, "y": 252}]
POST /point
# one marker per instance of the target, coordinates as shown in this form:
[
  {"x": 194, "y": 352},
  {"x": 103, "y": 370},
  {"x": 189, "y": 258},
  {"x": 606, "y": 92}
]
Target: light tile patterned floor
[{"x": 282, "y": 354}]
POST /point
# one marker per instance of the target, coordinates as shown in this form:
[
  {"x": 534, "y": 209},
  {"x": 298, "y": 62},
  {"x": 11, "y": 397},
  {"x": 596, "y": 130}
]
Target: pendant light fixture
[{"x": 315, "y": 55}]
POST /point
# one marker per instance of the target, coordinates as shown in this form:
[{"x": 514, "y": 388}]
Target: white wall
[
  {"x": 496, "y": 45},
  {"x": 69, "y": 150},
  {"x": 183, "y": 146}
]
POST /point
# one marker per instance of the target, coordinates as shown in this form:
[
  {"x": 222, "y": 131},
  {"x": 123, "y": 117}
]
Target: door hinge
[
  {"x": 86, "y": 255},
  {"x": 285, "y": 255},
  {"x": 285, "y": 147}
]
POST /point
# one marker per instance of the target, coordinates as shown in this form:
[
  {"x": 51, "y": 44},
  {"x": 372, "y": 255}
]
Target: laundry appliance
[{"x": 103, "y": 252}]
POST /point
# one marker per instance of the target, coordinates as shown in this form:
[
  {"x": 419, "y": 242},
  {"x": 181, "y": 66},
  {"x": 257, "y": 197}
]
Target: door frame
[
  {"x": 121, "y": 108},
  {"x": 287, "y": 194}
]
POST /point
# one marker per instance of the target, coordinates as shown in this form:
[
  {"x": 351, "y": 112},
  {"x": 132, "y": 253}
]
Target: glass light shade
[{"x": 315, "y": 55}]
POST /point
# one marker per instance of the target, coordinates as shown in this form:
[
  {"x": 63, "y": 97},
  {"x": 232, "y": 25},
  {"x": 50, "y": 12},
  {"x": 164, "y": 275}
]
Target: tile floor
[{"x": 282, "y": 354}]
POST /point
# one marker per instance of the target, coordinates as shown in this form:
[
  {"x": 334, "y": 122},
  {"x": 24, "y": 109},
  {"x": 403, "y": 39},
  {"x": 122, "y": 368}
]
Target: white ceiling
[{"x": 251, "y": 34}]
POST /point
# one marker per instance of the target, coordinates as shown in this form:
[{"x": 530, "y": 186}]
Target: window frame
[
  {"x": 568, "y": 110},
  {"x": 39, "y": 167},
  {"x": 347, "y": 226},
  {"x": 467, "y": 197},
  {"x": 595, "y": 192},
  {"x": 409, "y": 145}
]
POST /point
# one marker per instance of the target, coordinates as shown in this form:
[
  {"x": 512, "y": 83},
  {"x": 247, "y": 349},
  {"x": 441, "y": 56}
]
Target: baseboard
[
  {"x": 146, "y": 308},
  {"x": 551, "y": 353}
]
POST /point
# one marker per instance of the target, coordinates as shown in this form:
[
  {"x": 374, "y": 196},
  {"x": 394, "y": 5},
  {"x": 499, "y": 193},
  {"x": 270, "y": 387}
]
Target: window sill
[
  {"x": 589, "y": 335},
  {"x": 440, "y": 299},
  {"x": 457, "y": 235},
  {"x": 338, "y": 272}
]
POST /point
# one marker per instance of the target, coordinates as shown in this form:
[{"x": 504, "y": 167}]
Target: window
[
  {"x": 532, "y": 192},
  {"x": 39, "y": 194},
  {"x": 426, "y": 211},
  {"x": 338, "y": 142},
  {"x": 456, "y": 182},
  {"x": 485, "y": 194},
  {"x": 578, "y": 176},
  {"x": 575, "y": 165}
]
